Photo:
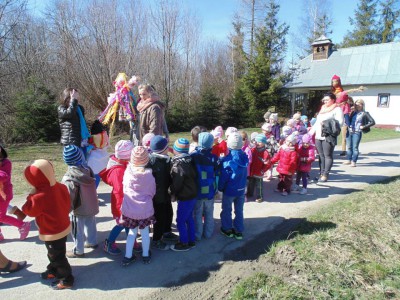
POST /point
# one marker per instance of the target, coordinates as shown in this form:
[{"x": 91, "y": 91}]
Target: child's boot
[
  {"x": 111, "y": 248},
  {"x": 24, "y": 230}
]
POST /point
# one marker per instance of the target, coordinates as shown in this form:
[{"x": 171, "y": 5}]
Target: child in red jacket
[
  {"x": 288, "y": 160},
  {"x": 259, "y": 165},
  {"x": 306, "y": 153},
  {"x": 113, "y": 176},
  {"x": 49, "y": 203}
]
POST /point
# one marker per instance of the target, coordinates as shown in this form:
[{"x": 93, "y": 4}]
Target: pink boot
[{"x": 24, "y": 230}]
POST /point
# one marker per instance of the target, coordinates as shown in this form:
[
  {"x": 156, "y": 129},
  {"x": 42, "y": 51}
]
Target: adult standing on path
[
  {"x": 152, "y": 112},
  {"x": 359, "y": 121},
  {"x": 71, "y": 117},
  {"x": 325, "y": 143}
]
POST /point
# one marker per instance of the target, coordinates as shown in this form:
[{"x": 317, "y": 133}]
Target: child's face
[
  {"x": 260, "y": 144},
  {"x": 272, "y": 121},
  {"x": 266, "y": 131},
  {"x": 306, "y": 145},
  {"x": 335, "y": 83},
  {"x": 290, "y": 144}
]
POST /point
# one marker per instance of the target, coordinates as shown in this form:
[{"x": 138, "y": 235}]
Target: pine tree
[
  {"x": 365, "y": 25},
  {"x": 262, "y": 84},
  {"x": 207, "y": 111},
  {"x": 389, "y": 17}
]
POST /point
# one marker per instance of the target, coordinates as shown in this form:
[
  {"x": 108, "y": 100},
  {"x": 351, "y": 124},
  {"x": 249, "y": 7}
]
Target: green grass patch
[{"x": 349, "y": 250}]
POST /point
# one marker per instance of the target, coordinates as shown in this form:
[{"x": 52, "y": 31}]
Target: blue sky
[{"x": 216, "y": 16}]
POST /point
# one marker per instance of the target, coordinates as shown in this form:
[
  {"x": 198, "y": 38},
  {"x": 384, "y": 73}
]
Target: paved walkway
[{"x": 100, "y": 275}]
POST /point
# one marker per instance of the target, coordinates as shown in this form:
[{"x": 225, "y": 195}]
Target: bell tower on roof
[{"x": 322, "y": 47}]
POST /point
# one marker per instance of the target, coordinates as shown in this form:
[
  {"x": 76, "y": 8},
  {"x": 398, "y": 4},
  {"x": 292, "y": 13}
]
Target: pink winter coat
[
  {"x": 139, "y": 189},
  {"x": 288, "y": 160},
  {"x": 5, "y": 180},
  {"x": 306, "y": 158}
]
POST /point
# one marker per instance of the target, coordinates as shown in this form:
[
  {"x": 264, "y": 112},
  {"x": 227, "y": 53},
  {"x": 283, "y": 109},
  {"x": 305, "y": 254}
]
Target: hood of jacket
[
  {"x": 182, "y": 158},
  {"x": 240, "y": 158},
  {"x": 40, "y": 174}
]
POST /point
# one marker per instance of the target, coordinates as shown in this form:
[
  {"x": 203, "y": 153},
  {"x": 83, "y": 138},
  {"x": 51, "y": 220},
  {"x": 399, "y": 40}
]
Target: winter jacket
[
  {"x": 246, "y": 149},
  {"x": 98, "y": 159},
  {"x": 336, "y": 114},
  {"x": 184, "y": 177},
  {"x": 220, "y": 149},
  {"x": 287, "y": 159},
  {"x": 232, "y": 180},
  {"x": 276, "y": 131},
  {"x": 5, "y": 179},
  {"x": 152, "y": 119},
  {"x": 366, "y": 121},
  {"x": 81, "y": 180},
  {"x": 260, "y": 161},
  {"x": 49, "y": 203},
  {"x": 70, "y": 124},
  {"x": 139, "y": 190},
  {"x": 206, "y": 166},
  {"x": 161, "y": 167},
  {"x": 113, "y": 175},
  {"x": 331, "y": 129},
  {"x": 306, "y": 158}
]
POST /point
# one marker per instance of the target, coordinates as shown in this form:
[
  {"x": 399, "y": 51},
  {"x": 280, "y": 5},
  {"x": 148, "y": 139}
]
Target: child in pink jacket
[{"x": 306, "y": 153}]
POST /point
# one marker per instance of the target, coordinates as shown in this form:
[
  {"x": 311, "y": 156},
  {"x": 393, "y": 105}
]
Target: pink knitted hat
[
  {"x": 267, "y": 127},
  {"x": 123, "y": 149},
  {"x": 147, "y": 139},
  {"x": 216, "y": 134},
  {"x": 140, "y": 156},
  {"x": 306, "y": 139}
]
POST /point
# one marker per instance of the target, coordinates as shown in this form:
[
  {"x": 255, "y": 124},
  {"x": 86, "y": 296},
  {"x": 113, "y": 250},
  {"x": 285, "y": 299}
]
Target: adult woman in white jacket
[{"x": 329, "y": 110}]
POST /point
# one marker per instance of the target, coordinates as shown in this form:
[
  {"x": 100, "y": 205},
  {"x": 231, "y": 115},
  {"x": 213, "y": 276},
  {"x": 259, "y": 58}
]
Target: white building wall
[{"x": 382, "y": 115}]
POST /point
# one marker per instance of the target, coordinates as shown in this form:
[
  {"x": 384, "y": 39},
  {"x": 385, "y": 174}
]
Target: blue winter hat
[
  {"x": 206, "y": 140},
  {"x": 304, "y": 117},
  {"x": 158, "y": 144},
  {"x": 73, "y": 155},
  {"x": 261, "y": 138}
]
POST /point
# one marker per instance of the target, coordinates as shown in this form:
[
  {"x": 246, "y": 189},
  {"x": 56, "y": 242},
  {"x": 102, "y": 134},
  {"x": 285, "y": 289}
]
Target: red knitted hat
[{"x": 335, "y": 77}]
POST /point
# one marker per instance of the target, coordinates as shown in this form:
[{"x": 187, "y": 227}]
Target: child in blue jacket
[
  {"x": 206, "y": 166},
  {"x": 232, "y": 183}
]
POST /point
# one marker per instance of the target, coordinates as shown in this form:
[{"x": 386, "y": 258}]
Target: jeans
[
  {"x": 83, "y": 227},
  {"x": 226, "y": 213},
  {"x": 353, "y": 141},
  {"x": 204, "y": 207},
  {"x": 303, "y": 176},
  {"x": 114, "y": 233},
  {"x": 325, "y": 151},
  {"x": 185, "y": 221}
]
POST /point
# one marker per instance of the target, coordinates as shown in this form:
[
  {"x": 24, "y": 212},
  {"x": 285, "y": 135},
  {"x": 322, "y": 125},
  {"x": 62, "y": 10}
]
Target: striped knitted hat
[
  {"x": 181, "y": 145},
  {"x": 123, "y": 149},
  {"x": 73, "y": 155},
  {"x": 140, "y": 156}
]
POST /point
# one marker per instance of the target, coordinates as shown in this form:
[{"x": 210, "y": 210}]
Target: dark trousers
[
  {"x": 163, "y": 213},
  {"x": 285, "y": 182},
  {"x": 59, "y": 264},
  {"x": 303, "y": 176},
  {"x": 325, "y": 151}
]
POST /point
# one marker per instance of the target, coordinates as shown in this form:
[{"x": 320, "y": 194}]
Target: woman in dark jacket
[
  {"x": 359, "y": 121},
  {"x": 69, "y": 118}
]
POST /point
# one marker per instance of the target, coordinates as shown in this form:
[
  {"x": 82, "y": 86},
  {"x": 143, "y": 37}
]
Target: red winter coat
[
  {"x": 113, "y": 175},
  {"x": 260, "y": 162},
  {"x": 306, "y": 158},
  {"x": 288, "y": 160},
  {"x": 220, "y": 148}
]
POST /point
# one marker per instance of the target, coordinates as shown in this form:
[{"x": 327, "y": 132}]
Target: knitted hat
[
  {"x": 312, "y": 121},
  {"x": 286, "y": 130},
  {"x": 216, "y": 134},
  {"x": 219, "y": 129},
  {"x": 181, "y": 145},
  {"x": 296, "y": 116},
  {"x": 342, "y": 97},
  {"x": 302, "y": 129},
  {"x": 335, "y": 77},
  {"x": 206, "y": 140},
  {"x": 266, "y": 127},
  {"x": 96, "y": 128},
  {"x": 73, "y": 155},
  {"x": 123, "y": 149},
  {"x": 253, "y": 136},
  {"x": 230, "y": 130},
  {"x": 260, "y": 138},
  {"x": 306, "y": 139},
  {"x": 140, "y": 156},
  {"x": 274, "y": 117},
  {"x": 147, "y": 139},
  {"x": 267, "y": 115},
  {"x": 291, "y": 139},
  {"x": 304, "y": 117},
  {"x": 235, "y": 141},
  {"x": 158, "y": 144},
  {"x": 291, "y": 122}
]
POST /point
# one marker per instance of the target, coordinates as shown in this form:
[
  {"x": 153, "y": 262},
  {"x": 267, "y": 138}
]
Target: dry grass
[{"x": 359, "y": 258}]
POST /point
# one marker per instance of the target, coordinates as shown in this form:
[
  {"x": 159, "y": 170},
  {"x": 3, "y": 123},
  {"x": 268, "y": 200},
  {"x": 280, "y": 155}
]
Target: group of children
[{"x": 146, "y": 179}]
